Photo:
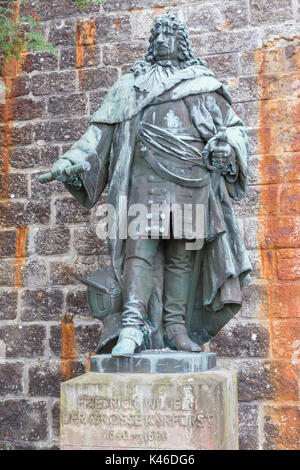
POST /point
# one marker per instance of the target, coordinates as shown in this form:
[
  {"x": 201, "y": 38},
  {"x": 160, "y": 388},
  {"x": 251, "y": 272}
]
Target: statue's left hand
[{"x": 220, "y": 153}]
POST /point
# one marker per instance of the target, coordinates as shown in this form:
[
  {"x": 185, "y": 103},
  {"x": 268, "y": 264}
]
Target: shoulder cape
[{"x": 123, "y": 101}]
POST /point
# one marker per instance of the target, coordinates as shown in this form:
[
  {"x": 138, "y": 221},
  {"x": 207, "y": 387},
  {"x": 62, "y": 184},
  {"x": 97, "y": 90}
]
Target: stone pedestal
[{"x": 151, "y": 401}]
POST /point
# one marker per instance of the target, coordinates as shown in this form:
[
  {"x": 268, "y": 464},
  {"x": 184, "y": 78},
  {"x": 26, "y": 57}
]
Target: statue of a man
[{"x": 166, "y": 136}]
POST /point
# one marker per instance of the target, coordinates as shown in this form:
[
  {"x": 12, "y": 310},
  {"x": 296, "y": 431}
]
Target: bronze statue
[{"x": 166, "y": 137}]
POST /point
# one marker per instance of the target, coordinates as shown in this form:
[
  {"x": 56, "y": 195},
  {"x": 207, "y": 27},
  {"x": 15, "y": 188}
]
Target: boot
[
  {"x": 176, "y": 337},
  {"x": 129, "y": 340}
]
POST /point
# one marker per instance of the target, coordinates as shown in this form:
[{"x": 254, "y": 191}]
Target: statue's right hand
[{"x": 59, "y": 166}]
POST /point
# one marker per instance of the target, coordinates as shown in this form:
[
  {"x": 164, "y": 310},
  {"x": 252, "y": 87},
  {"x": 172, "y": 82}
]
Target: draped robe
[{"x": 109, "y": 145}]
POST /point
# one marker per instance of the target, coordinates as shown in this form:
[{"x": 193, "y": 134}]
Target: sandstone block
[{"x": 150, "y": 411}]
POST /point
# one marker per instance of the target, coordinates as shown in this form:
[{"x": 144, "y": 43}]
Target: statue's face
[{"x": 165, "y": 46}]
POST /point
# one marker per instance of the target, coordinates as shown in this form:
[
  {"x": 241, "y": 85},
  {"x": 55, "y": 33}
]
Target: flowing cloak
[{"x": 109, "y": 147}]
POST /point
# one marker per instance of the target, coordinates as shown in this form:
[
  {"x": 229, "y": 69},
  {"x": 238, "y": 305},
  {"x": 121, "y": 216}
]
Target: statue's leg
[
  {"x": 177, "y": 279},
  {"x": 137, "y": 289}
]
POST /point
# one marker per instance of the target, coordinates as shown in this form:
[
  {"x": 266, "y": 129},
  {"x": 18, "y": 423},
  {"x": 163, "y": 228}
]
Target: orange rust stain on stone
[
  {"x": 116, "y": 23},
  {"x": 278, "y": 133},
  {"x": 20, "y": 253},
  {"x": 10, "y": 71},
  {"x": 286, "y": 300},
  {"x": 281, "y": 427},
  {"x": 86, "y": 31},
  {"x": 268, "y": 261},
  {"x": 292, "y": 56},
  {"x": 285, "y": 375},
  {"x": 288, "y": 264},
  {"x": 68, "y": 347},
  {"x": 225, "y": 26},
  {"x": 278, "y": 239},
  {"x": 285, "y": 336},
  {"x": 88, "y": 361},
  {"x": 158, "y": 10}
]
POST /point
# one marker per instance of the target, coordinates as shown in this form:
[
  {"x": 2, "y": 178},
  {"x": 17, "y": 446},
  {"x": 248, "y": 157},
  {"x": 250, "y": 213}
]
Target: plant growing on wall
[
  {"x": 86, "y": 3},
  {"x": 20, "y": 34}
]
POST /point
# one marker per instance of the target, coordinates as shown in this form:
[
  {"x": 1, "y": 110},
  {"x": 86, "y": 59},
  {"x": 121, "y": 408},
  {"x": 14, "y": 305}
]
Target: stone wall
[{"x": 45, "y": 331}]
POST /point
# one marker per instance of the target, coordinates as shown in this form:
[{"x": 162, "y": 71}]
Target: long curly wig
[
  {"x": 172, "y": 24},
  {"x": 186, "y": 54}
]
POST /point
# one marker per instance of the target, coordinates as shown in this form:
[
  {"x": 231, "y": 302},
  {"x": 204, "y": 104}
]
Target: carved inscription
[{"x": 136, "y": 416}]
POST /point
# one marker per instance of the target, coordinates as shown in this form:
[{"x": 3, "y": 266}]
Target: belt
[
  {"x": 170, "y": 146},
  {"x": 150, "y": 158}
]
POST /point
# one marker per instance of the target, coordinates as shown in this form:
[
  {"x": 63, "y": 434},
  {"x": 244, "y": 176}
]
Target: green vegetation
[
  {"x": 86, "y": 3},
  {"x": 20, "y": 34},
  {"x": 24, "y": 33}
]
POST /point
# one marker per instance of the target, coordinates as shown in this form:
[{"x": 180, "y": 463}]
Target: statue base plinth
[
  {"x": 152, "y": 400},
  {"x": 155, "y": 361},
  {"x": 179, "y": 407}
]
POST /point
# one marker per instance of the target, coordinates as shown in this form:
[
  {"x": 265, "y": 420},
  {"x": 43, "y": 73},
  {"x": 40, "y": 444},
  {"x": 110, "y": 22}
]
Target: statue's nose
[{"x": 160, "y": 38}]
